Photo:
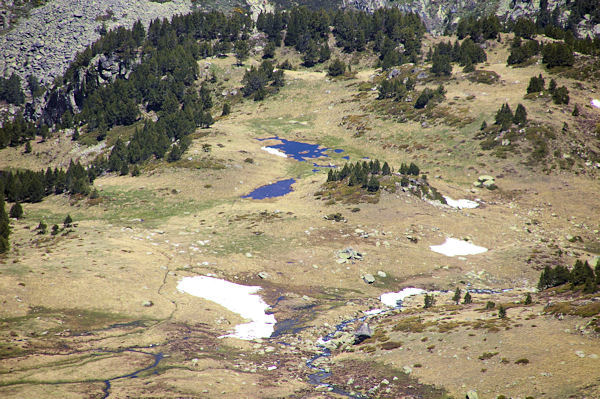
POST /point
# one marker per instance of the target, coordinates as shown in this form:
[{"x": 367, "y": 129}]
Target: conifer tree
[
  {"x": 16, "y": 211},
  {"x": 456, "y": 297},
  {"x": 386, "y": 170},
  {"x": 467, "y": 300},
  {"x": 4, "y": 227},
  {"x": 520, "y": 117}
]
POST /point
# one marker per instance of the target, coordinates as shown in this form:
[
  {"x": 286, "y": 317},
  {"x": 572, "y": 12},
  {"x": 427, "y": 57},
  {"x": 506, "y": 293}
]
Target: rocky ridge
[{"x": 48, "y": 40}]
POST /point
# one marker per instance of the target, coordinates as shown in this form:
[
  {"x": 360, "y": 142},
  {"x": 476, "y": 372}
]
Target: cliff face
[{"x": 438, "y": 14}]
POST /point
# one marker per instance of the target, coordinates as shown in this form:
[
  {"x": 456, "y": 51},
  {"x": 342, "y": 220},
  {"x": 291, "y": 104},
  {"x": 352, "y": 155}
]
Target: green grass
[{"x": 120, "y": 206}]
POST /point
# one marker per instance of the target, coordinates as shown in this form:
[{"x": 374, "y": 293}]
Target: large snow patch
[
  {"x": 393, "y": 299},
  {"x": 240, "y": 299},
  {"x": 455, "y": 247},
  {"x": 461, "y": 203}
]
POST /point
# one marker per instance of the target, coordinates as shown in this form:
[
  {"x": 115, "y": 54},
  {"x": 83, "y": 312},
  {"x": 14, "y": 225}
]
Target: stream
[{"x": 157, "y": 358}]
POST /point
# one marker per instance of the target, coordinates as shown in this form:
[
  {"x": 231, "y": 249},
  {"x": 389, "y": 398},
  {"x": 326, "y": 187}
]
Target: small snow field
[
  {"x": 393, "y": 299},
  {"x": 240, "y": 299},
  {"x": 595, "y": 103},
  {"x": 456, "y": 247},
  {"x": 461, "y": 203},
  {"x": 274, "y": 151}
]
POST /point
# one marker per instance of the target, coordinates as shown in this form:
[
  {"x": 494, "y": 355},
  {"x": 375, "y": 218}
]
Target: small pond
[{"x": 277, "y": 189}]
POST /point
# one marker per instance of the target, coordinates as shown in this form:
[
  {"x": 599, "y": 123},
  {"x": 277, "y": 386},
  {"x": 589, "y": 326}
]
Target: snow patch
[
  {"x": 454, "y": 247},
  {"x": 461, "y": 203},
  {"x": 274, "y": 151},
  {"x": 595, "y": 103},
  {"x": 392, "y": 299},
  {"x": 240, "y": 299}
]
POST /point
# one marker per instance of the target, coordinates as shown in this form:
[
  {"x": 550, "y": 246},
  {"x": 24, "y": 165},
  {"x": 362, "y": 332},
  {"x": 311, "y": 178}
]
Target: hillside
[{"x": 214, "y": 207}]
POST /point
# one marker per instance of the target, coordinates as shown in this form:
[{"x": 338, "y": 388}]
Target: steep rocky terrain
[{"x": 46, "y": 41}]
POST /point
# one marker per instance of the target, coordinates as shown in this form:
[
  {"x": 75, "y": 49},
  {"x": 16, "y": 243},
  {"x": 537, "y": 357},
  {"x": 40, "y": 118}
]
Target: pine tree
[
  {"x": 483, "y": 126},
  {"x": 68, "y": 221},
  {"x": 373, "y": 184},
  {"x": 504, "y": 117},
  {"x": 4, "y": 227},
  {"x": 242, "y": 51},
  {"x": 457, "y": 294},
  {"x": 467, "y": 300},
  {"x": 386, "y": 170},
  {"x": 528, "y": 299},
  {"x": 575, "y": 110},
  {"x": 520, "y": 117},
  {"x": 429, "y": 301}
]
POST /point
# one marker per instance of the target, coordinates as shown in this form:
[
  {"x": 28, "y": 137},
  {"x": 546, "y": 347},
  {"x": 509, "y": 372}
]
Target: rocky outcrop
[{"x": 47, "y": 40}]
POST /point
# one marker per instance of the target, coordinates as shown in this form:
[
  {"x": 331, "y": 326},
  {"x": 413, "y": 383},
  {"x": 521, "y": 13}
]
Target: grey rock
[
  {"x": 147, "y": 304},
  {"x": 472, "y": 395},
  {"x": 369, "y": 278},
  {"x": 363, "y": 332}
]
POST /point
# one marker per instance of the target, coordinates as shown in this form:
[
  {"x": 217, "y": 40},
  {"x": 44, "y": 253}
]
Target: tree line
[
  {"x": 31, "y": 186},
  {"x": 581, "y": 276}
]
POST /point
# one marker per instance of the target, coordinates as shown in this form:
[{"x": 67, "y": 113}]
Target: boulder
[
  {"x": 472, "y": 395},
  {"x": 369, "y": 278},
  {"x": 363, "y": 332}
]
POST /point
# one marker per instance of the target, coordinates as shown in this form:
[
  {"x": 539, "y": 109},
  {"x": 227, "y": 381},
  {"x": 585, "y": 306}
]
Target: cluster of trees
[
  {"x": 466, "y": 54},
  {"x": 581, "y": 275},
  {"x": 363, "y": 174},
  {"x": 560, "y": 95},
  {"x": 505, "y": 117},
  {"x": 4, "y": 227},
  {"x": 522, "y": 51},
  {"x": 479, "y": 29},
  {"x": 429, "y": 94},
  {"x": 30, "y": 186},
  {"x": 394, "y": 36},
  {"x": 10, "y": 90},
  {"x": 410, "y": 169},
  {"x": 258, "y": 81},
  {"x": 19, "y": 130},
  {"x": 164, "y": 69},
  {"x": 395, "y": 88},
  {"x": 557, "y": 54}
]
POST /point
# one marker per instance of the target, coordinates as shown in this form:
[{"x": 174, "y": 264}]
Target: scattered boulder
[
  {"x": 368, "y": 278},
  {"x": 486, "y": 181},
  {"x": 147, "y": 304},
  {"x": 363, "y": 332},
  {"x": 263, "y": 275},
  {"x": 348, "y": 255}
]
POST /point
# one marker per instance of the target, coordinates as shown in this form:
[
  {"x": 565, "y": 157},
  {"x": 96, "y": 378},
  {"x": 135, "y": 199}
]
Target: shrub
[
  {"x": 522, "y": 361},
  {"x": 16, "y": 211},
  {"x": 490, "y": 305},
  {"x": 501, "y": 312},
  {"x": 336, "y": 68}
]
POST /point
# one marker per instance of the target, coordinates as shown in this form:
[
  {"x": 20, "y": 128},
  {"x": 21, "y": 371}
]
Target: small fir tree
[
  {"x": 467, "y": 300},
  {"x": 457, "y": 294}
]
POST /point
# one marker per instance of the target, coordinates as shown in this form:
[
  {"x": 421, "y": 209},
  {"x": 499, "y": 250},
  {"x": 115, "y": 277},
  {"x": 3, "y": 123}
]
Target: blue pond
[
  {"x": 277, "y": 189},
  {"x": 298, "y": 150}
]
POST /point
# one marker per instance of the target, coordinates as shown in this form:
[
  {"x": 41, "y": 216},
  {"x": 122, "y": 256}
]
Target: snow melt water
[
  {"x": 461, "y": 203},
  {"x": 240, "y": 299},
  {"x": 455, "y": 247}
]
